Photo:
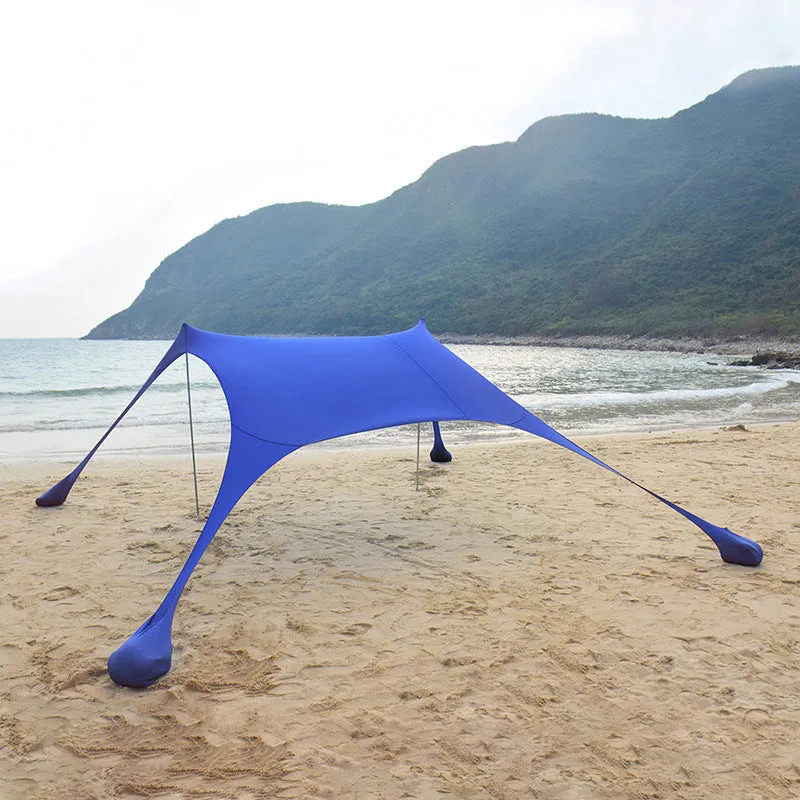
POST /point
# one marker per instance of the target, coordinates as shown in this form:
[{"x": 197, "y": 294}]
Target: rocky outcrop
[{"x": 770, "y": 361}]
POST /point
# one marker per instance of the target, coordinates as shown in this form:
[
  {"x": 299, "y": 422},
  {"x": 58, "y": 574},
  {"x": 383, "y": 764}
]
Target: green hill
[{"x": 586, "y": 224}]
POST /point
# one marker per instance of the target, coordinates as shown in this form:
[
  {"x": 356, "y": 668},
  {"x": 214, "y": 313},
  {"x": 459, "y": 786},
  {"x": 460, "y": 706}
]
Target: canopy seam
[
  {"x": 435, "y": 382},
  {"x": 262, "y": 439}
]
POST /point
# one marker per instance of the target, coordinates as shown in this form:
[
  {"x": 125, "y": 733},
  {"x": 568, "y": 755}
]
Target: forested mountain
[{"x": 586, "y": 224}]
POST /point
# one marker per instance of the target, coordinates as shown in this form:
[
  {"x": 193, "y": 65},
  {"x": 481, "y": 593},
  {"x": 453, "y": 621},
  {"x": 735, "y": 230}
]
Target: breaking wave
[{"x": 656, "y": 396}]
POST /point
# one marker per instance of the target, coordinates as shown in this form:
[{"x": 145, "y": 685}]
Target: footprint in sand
[
  {"x": 356, "y": 629},
  {"x": 60, "y": 593}
]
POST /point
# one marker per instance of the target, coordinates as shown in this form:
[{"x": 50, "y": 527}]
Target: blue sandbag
[{"x": 439, "y": 453}]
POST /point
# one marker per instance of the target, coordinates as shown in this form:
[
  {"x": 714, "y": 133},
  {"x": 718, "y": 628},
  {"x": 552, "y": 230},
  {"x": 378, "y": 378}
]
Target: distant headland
[{"x": 686, "y": 227}]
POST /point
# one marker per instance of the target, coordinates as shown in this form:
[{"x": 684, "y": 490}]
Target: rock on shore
[
  {"x": 741, "y": 346},
  {"x": 770, "y": 361}
]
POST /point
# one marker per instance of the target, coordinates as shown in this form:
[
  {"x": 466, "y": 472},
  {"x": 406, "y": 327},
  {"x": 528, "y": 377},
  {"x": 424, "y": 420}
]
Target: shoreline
[
  {"x": 40, "y": 473},
  {"x": 737, "y": 346},
  {"x": 511, "y": 437}
]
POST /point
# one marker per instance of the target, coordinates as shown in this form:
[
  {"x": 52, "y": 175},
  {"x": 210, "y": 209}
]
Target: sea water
[{"x": 58, "y": 396}]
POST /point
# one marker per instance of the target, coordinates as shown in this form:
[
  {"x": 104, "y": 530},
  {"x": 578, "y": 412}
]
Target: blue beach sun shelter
[{"x": 284, "y": 393}]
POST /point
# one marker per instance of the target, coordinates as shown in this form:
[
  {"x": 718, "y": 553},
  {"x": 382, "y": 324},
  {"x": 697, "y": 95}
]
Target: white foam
[{"x": 671, "y": 396}]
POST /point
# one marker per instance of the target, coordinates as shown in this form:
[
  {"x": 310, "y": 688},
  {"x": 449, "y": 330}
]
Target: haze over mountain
[{"x": 688, "y": 225}]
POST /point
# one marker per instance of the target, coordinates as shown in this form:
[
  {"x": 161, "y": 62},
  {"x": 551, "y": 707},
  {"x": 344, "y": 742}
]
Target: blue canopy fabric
[{"x": 284, "y": 393}]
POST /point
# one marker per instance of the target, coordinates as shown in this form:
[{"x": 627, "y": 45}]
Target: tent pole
[
  {"x": 416, "y": 488},
  {"x": 191, "y": 436}
]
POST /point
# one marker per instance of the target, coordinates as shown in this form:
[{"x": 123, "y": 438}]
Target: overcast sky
[{"x": 130, "y": 128}]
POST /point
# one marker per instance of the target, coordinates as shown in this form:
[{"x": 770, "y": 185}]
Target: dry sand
[{"x": 525, "y": 626}]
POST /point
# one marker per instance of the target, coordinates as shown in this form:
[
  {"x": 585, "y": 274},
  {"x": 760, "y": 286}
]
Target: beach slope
[{"x": 525, "y": 625}]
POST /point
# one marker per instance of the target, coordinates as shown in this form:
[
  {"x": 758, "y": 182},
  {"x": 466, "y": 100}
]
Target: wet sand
[{"x": 526, "y": 625}]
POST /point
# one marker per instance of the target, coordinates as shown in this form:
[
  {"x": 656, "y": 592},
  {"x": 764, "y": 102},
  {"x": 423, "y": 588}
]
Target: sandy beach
[{"x": 526, "y": 625}]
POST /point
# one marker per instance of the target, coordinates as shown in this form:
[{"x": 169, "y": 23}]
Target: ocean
[{"x": 57, "y": 396}]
